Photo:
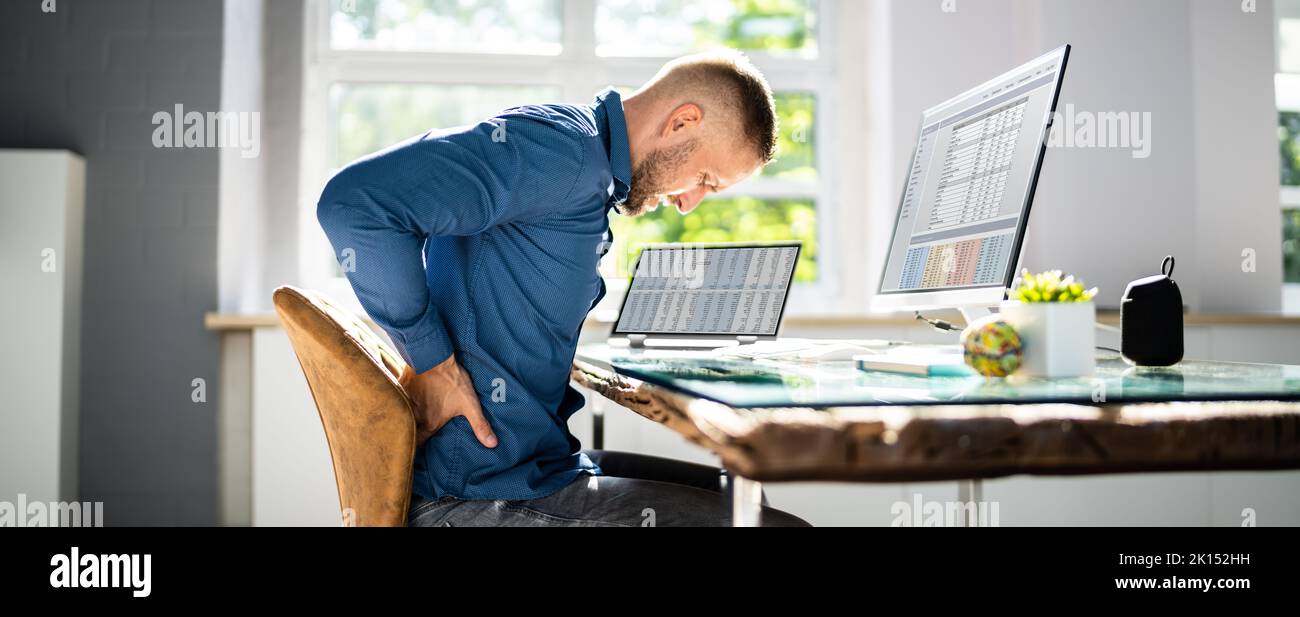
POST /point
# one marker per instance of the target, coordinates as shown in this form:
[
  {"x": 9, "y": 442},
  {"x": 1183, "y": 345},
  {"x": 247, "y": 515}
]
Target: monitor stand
[{"x": 971, "y": 313}]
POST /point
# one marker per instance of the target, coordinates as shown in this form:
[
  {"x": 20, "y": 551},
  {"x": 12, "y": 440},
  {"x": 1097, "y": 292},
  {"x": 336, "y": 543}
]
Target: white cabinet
[{"x": 42, "y": 197}]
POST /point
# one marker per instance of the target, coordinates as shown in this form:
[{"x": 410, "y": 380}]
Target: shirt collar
[{"x": 613, "y": 128}]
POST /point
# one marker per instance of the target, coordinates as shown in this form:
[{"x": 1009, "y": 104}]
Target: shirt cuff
[{"x": 425, "y": 345}]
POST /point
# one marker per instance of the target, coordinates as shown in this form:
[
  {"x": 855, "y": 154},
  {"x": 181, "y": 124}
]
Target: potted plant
[{"x": 1055, "y": 318}]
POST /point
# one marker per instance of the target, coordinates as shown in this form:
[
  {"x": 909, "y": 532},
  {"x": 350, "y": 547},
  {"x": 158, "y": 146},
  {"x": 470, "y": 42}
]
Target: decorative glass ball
[{"x": 992, "y": 347}]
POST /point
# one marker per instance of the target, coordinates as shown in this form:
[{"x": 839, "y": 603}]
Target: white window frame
[{"x": 579, "y": 74}]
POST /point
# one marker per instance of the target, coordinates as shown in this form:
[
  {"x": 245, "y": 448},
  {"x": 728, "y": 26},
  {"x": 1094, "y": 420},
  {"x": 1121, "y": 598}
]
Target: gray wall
[{"x": 88, "y": 78}]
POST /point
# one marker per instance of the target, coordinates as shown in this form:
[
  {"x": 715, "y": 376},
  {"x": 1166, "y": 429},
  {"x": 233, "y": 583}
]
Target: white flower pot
[{"x": 1058, "y": 337}]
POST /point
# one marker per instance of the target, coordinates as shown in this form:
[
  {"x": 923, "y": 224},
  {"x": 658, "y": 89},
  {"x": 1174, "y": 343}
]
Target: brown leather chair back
[{"x": 367, "y": 416}]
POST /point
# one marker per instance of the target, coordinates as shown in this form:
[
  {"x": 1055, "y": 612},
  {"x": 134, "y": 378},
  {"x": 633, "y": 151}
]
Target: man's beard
[{"x": 653, "y": 174}]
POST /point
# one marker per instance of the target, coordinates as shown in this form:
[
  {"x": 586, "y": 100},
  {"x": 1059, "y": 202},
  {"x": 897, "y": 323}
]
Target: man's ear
[{"x": 687, "y": 115}]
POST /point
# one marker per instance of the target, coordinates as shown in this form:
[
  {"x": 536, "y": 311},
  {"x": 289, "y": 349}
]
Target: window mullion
[
  {"x": 1290, "y": 197},
  {"x": 579, "y": 75},
  {"x": 579, "y": 29}
]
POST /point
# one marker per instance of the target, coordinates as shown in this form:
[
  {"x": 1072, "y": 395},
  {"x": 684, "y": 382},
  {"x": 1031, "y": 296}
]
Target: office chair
[{"x": 369, "y": 424}]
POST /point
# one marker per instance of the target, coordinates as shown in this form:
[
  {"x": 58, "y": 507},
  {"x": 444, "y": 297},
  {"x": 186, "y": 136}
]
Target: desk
[{"x": 789, "y": 423}]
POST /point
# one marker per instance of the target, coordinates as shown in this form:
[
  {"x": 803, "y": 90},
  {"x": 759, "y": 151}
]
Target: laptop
[{"x": 707, "y": 295}]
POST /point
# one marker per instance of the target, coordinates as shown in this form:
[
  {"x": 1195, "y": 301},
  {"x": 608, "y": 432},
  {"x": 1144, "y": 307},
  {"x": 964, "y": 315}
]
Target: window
[
  {"x": 1289, "y": 136},
  {"x": 1287, "y": 84},
  {"x": 676, "y": 27},
  {"x": 381, "y": 71},
  {"x": 488, "y": 26}
]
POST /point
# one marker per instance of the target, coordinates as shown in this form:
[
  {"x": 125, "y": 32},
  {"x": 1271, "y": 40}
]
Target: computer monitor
[{"x": 965, "y": 203}]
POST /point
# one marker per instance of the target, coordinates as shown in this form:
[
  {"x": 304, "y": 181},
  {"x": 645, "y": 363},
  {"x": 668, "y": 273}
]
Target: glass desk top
[{"x": 766, "y": 383}]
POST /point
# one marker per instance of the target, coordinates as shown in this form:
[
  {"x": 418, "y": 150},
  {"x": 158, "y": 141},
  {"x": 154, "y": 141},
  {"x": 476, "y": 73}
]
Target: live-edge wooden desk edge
[{"x": 965, "y": 442}]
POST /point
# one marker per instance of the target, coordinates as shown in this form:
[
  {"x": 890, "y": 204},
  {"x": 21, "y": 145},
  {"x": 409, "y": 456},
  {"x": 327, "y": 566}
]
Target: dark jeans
[{"x": 636, "y": 491}]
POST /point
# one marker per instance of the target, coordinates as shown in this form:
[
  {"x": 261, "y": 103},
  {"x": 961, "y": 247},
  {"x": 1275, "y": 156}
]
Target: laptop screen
[{"x": 709, "y": 290}]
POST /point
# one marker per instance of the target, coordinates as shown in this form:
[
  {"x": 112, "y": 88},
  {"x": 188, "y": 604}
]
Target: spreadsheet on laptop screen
[{"x": 709, "y": 290}]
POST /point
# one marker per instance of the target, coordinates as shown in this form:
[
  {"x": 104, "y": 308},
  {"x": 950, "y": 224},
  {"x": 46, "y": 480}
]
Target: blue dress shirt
[{"x": 483, "y": 241}]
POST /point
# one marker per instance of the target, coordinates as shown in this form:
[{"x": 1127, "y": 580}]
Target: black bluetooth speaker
[{"x": 1151, "y": 319}]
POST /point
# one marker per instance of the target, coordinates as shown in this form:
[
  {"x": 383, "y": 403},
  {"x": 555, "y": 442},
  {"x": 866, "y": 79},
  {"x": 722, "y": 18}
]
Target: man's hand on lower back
[{"x": 442, "y": 393}]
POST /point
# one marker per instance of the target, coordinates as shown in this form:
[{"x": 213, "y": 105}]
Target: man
[{"x": 476, "y": 248}]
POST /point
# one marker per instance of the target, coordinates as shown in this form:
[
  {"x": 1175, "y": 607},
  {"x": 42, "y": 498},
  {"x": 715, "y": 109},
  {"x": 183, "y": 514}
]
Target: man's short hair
[{"x": 728, "y": 78}]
